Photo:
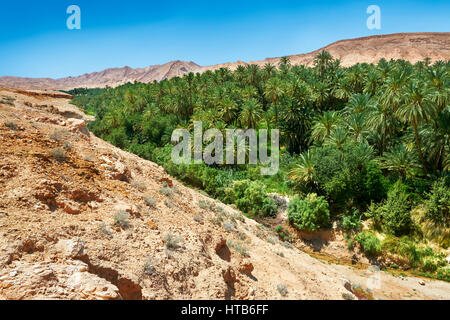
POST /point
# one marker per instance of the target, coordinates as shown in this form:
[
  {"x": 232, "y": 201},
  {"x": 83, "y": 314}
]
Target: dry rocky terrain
[
  {"x": 412, "y": 47},
  {"x": 82, "y": 219}
]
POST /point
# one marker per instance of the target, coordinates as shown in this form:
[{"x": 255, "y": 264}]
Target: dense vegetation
[{"x": 365, "y": 142}]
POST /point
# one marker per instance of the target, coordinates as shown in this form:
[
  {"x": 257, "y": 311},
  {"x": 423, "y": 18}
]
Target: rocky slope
[
  {"x": 81, "y": 219},
  {"x": 408, "y": 46}
]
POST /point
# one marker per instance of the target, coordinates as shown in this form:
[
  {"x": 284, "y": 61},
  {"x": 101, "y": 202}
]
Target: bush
[
  {"x": 370, "y": 244},
  {"x": 282, "y": 233},
  {"x": 251, "y": 197},
  {"x": 121, "y": 219},
  {"x": 309, "y": 214},
  {"x": 438, "y": 203},
  {"x": 59, "y": 154},
  {"x": 11, "y": 125},
  {"x": 150, "y": 201},
  {"x": 352, "y": 221},
  {"x": 348, "y": 174},
  {"x": 393, "y": 216},
  {"x": 172, "y": 242}
]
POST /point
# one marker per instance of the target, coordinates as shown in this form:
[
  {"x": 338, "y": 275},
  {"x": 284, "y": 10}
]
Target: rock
[
  {"x": 131, "y": 209},
  {"x": 118, "y": 172},
  {"x": 73, "y": 248},
  {"x": 152, "y": 225},
  {"x": 68, "y": 280},
  {"x": 168, "y": 181},
  {"x": 347, "y": 284},
  {"x": 78, "y": 125},
  {"x": 229, "y": 276},
  {"x": 349, "y": 296},
  {"x": 83, "y": 195},
  {"x": 69, "y": 207},
  {"x": 246, "y": 268}
]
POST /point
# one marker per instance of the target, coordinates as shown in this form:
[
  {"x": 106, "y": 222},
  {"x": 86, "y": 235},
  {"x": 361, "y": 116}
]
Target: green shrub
[
  {"x": 11, "y": 125},
  {"x": 121, "y": 219},
  {"x": 150, "y": 201},
  {"x": 369, "y": 242},
  {"x": 282, "y": 233},
  {"x": 172, "y": 242},
  {"x": 437, "y": 205},
  {"x": 310, "y": 213},
  {"x": 251, "y": 197},
  {"x": 352, "y": 221},
  {"x": 239, "y": 247},
  {"x": 393, "y": 216}
]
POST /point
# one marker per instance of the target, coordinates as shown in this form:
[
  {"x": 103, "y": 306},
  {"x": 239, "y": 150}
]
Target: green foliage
[
  {"x": 438, "y": 203},
  {"x": 352, "y": 221},
  {"x": 310, "y": 213},
  {"x": 282, "y": 233},
  {"x": 369, "y": 242},
  {"x": 393, "y": 216},
  {"x": 347, "y": 174},
  {"x": 251, "y": 197},
  {"x": 346, "y": 134}
]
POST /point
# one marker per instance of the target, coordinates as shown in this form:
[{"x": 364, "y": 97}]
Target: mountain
[{"x": 407, "y": 46}]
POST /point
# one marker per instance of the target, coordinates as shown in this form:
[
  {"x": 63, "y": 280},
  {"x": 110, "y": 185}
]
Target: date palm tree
[
  {"x": 324, "y": 124},
  {"x": 400, "y": 160},
  {"x": 303, "y": 171},
  {"x": 322, "y": 61},
  {"x": 251, "y": 113},
  {"x": 417, "y": 107},
  {"x": 273, "y": 91}
]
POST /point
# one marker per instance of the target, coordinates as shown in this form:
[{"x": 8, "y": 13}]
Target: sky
[{"x": 35, "y": 40}]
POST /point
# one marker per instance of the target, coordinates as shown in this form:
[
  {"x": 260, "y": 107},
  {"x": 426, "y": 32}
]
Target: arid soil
[
  {"x": 412, "y": 47},
  {"x": 60, "y": 187}
]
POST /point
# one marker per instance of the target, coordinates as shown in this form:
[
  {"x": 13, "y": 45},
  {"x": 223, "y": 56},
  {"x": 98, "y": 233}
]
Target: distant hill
[{"x": 412, "y": 47}]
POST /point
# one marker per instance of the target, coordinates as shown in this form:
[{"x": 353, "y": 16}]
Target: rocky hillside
[
  {"x": 408, "y": 46},
  {"x": 81, "y": 219}
]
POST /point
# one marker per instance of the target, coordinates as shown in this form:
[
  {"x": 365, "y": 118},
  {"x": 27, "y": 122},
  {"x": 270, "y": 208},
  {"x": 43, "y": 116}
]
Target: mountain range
[{"x": 412, "y": 47}]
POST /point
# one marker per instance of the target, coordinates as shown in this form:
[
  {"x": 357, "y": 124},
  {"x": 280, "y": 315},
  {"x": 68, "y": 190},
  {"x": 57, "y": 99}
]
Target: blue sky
[{"x": 35, "y": 42}]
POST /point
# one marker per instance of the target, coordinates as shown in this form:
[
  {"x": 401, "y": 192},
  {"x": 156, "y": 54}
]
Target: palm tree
[
  {"x": 321, "y": 94},
  {"x": 399, "y": 160},
  {"x": 303, "y": 171},
  {"x": 440, "y": 82},
  {"x": 269, "y": 69},
  {"x": 416, "y": 109},
  {"x": 358, "y": 103},
  {"x": 273, "y": 91},
  {"x": 324, "y": 124},
  {"x": 322, "y": 61},
  {"x": 381, "y": 119},
  {"x": 372, "y": 83},
  {"x": 251, "y": 113},
  {"x": 392, "y": 89},
  {"x": 357, "y": 125},
  {"x": 228, "y": 109},
  {"x": 337, "y": 138}
]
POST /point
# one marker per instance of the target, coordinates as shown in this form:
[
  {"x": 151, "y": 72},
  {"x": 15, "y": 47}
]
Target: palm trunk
[{"x": 416, "y": 135}]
